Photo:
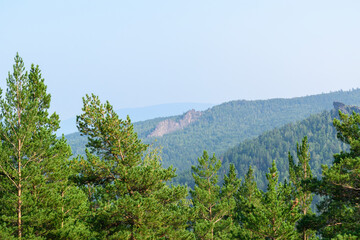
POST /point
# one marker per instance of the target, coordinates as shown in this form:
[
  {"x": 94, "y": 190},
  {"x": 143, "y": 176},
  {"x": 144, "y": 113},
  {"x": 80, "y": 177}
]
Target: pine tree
[
  {"x": 271, "y": 214},
  {"x": 248, "y": 198},
  {"x": 125, "y": 181},
  {"x": 213, "y": 206},
  {"x": 340, "y": 186},
  {"x": 33, "y": 162},
  {"x": 299, "y": 174}
]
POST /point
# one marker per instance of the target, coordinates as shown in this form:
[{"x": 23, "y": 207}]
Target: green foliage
[
  {"x": 267, "y": 215},
  {"x": 276, "y": 144},
  {"x": 125, "y": 182},
  {"x": 37, "y": 199},
  {"x": 300, "y": 173},
  {"x": 340, "y": 185},
  {"x": 213, "y": 206},
  {"x": 345, "y": 237},
  {"x": 120, "y": 190},
  {"x": 247, "y": 198}
]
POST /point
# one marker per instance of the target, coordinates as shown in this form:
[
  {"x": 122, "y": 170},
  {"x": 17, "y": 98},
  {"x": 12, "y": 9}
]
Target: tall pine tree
[
  {"x": 125, "y": 181},
  {"x": 340, "y": 186},
  {"x": 213, "y": 206},
  {"x": 37, "y": 198},
  {"x": 267, "y": 215},
  {"x": 299, "y": 174},
  {"x": 248, "y": 198}
]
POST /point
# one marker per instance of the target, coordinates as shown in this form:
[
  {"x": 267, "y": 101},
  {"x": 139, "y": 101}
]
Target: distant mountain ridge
[{"x": 226, "y": 125}]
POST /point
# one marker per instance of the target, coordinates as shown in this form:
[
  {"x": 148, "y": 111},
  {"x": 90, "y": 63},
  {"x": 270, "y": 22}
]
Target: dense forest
[
  {"x": 226, "y": 125},
  {"x": 276, "y": 144},
  {"x": 119, "y": 188}
]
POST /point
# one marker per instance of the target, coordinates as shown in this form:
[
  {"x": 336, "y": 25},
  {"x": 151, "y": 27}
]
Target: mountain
[
  {"x": 226, "y": 125},
  {"x": 68, "y": 126},
  {"x": 275, "y": 145}
]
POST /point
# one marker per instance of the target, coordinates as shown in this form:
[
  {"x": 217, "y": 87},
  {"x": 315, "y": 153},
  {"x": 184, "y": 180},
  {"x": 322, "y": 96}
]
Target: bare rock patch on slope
[{"x": 169, "y": 125}]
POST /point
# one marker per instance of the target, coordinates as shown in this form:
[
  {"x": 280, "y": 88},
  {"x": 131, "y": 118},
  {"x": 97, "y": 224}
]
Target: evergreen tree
[
  {"x": 268, "y": 215},
  {"x": 125, "y": 181},
  {"x": 248, "y": 198},
  {"x": 340, "y": 186},
  {"x": 37, "y": 199},
  {"x": 213, "y": 206},
  {"x": 299, "y": 173}
]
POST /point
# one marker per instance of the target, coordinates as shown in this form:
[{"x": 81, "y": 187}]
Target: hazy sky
[{"x": 141, "y": 53}]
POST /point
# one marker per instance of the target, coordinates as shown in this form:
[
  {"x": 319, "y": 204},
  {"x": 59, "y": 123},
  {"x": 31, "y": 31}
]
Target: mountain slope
[
  {"x": 275, "y": 145},
  {"x": 223, "y": 126},
  {"x": 228, "y": 124}
]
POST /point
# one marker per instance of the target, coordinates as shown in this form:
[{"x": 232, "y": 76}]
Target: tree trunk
[
  {"x": 62, "y": 210},
  {"x": 19, "y": 201}
]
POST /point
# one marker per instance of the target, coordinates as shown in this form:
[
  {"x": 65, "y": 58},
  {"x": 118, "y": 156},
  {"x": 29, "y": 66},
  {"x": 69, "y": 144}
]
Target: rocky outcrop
[
  {"x": 338, "y": 105},
  {"x": 168, "y": 126},
  {"x": 347, "y": 109}
]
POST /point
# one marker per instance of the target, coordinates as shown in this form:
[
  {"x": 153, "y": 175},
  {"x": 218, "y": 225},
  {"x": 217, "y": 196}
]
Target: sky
[{"x": 143, "y": 53}]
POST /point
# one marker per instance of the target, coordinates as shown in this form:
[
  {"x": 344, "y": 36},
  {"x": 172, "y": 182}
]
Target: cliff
[
  {"x": 347, "y": 109},
  {"x": 168, "y": 126}
]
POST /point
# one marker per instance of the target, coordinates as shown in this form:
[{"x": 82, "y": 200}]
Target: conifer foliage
[
  {"x": 340, "y": 186},
  {"x": 120, "y": 190},
  {"x": 267, "y": 215},
  {"x": 299, "y": 174},
  {"x": 125, "y": 182},
  {"x": 247, "y": 199},
  {"x": 213, "y": 206},
  {"x": 37, "y": 199}
]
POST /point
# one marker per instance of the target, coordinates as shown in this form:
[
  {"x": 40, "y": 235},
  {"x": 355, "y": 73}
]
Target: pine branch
[{"x": 6, "y": 173}]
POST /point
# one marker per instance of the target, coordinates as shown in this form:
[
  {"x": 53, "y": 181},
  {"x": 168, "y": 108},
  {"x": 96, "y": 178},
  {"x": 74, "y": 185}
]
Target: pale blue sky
[{"x": 141, "y": 53}]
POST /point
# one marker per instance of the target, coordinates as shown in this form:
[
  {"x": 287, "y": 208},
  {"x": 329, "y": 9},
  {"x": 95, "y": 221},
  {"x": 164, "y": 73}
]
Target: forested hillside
[
  {"x": 223, "y": 126},
  {"x": 276, "y": 144},
  {"x": 228, "y": 124}
]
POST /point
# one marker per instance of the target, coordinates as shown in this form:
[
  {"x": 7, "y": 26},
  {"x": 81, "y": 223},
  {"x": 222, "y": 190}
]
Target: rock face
[
  {"x": 345, "y": 108},
  {"x": 338, "y": 105},
  {"x": 168, "y": 126}
]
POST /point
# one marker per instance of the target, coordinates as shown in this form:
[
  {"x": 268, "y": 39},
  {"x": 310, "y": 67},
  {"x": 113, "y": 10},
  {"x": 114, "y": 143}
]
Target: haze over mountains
[{"x": 224, "y": 126}]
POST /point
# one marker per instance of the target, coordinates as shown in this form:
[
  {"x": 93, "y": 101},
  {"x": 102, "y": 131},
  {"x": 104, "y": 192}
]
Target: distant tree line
[{"x": 119, "y": 189}]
